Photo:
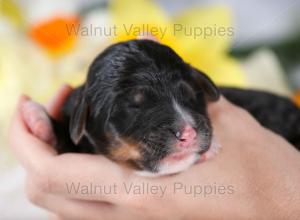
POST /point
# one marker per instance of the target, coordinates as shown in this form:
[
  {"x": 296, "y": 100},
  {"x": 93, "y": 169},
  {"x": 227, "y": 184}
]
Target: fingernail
[
  {"x": 23, "y": 99},
  {"x": 65, "y": 86}
]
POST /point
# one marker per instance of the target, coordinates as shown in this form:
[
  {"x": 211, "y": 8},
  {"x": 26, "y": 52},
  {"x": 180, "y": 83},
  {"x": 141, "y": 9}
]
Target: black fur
[{"x": 128, "y": 94}]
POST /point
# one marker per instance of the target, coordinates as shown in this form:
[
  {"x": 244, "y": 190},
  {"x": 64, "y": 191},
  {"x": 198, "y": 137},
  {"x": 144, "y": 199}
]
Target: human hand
[{"x": 258, "y": 169}]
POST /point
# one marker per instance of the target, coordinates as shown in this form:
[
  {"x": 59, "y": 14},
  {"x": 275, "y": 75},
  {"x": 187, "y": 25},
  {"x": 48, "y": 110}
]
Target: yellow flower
[
  {"x": 11, "y": 11},
  {"x": 201, "y": 36}
]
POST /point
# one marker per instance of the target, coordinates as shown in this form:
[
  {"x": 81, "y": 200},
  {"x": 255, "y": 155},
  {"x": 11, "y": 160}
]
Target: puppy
[{"x": 143, "y": 105}]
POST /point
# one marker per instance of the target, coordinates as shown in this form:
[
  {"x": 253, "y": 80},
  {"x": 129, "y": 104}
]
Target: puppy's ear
[
  {"x": 78, "y": 120},
  {"x": 211, "y": 91}
]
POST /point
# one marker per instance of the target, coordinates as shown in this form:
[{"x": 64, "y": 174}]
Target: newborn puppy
[{"x": 143, "y": 105}]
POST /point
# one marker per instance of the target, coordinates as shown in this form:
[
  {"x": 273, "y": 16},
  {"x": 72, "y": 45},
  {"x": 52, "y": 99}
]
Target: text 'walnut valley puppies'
[{"x": 144, "y": 106}]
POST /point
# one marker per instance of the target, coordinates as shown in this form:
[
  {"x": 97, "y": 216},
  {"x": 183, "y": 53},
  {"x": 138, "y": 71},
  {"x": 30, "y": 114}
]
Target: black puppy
[{"x": 142, "y": 104}]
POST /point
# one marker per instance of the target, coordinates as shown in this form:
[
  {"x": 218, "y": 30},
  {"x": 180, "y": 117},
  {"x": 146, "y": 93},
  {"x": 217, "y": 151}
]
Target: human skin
[{"x": 262, "y": 168}]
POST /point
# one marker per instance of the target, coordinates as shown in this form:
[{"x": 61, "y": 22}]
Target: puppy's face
[{"x": 148, "y": 110}]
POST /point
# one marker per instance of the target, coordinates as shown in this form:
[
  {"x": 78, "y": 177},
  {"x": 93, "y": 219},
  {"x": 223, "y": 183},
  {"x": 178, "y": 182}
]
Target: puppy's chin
[
  {"x": 174, "y": 163},
  {"x": 178, "y": 162}
]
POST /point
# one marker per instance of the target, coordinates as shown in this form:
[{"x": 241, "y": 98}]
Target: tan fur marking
[{"x": 125, "y": 151}]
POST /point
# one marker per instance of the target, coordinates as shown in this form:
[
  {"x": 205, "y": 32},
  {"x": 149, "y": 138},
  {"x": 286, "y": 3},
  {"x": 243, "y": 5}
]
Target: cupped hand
[{"x": 255, "y": 176}]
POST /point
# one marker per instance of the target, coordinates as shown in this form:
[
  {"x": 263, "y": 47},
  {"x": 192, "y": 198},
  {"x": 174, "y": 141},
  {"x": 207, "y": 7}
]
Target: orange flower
[
  {"x": 55, "y": 34},
  {"x": 297, "y": 98}
]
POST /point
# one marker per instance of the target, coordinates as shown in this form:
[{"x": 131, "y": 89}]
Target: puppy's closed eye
[
  {"x": 136, "y": 99},
  {"x": 142, "y": 98}
]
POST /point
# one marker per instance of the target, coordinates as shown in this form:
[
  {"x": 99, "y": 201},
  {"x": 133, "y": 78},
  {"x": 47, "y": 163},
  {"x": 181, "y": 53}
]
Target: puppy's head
[{"x": 144, "y": 105}]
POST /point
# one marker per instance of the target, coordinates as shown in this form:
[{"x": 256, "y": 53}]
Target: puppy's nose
[
  {"x": 187, "y": 133},
  {"x": 187, "y": 136}
]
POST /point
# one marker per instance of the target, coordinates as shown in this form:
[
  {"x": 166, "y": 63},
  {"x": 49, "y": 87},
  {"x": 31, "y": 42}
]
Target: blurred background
[{"x": 45, "y": 43}]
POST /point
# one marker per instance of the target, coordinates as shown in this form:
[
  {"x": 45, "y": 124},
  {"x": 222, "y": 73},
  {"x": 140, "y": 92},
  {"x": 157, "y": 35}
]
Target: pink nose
[{"x": 187, "y": 137}]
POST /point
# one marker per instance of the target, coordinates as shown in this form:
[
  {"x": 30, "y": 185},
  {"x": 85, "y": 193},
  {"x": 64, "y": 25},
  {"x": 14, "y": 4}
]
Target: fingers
[
  {"x": 70, "y": 173},
  {"x": 30, "y": 150},
  {"x": 220, "y": 106},
  {"x": 222, "y": 113},
  {"x": 38, "y": 121},
  {"x": 51, "y": 173},
  {"x": 54, "y": 105},
  {"x": 227, "y": 113},
  {"x": 55, "y": 217},
  {"x": 147, "y": 36},
  {"x": 232, "y": 125},
  {"x": 69, "y": 208}
]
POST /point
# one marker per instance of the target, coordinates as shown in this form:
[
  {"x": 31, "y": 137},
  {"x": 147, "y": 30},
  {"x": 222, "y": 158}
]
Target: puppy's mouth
[
  {"x": 187, "y": 145},
  {"x": 183, "y": 149},
  {"x": 160, "y": 154},
  {"x": 177, "y": 156},
  {"x": 186, "y": 150},
  {"x": 180, "y": 160}
]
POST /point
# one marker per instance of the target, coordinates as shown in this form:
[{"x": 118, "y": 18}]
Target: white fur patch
[
  {"x": 185, "y": 116},
  {"x": 171, "y": 168}
]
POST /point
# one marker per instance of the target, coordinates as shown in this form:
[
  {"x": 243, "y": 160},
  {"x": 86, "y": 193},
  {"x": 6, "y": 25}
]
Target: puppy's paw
[{"x": 38, "y": 121}]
